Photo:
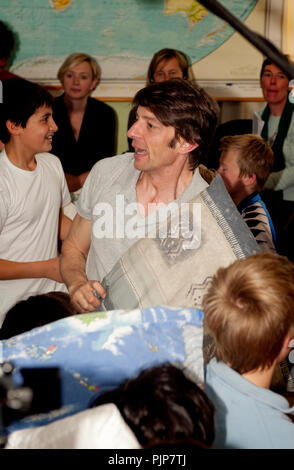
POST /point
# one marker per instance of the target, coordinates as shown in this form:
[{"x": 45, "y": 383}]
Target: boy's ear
[
  {"x": 13, "y": 128},
  {"x": 249, "y": 179}
]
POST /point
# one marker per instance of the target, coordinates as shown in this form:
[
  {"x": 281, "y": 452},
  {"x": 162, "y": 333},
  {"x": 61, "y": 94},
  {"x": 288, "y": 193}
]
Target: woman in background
[
  {"x": 278, "y": 131},
  {"x": 167, "y": 64},
  {"x": 86, "y": 126}
]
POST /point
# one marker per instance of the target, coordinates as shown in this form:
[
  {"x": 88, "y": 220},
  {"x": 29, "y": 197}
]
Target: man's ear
[
  {"x": 186, "y": 147},
  {"x": 13, "y": 128}
]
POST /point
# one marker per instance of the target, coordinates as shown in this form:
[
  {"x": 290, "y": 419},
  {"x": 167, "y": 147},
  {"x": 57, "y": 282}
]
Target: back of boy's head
[
  {"x": 249, "y": 310},
  {"x": 163, "y": 405},
  {"x": 254, "y": 155},
  {"x": 21, "y": 99}
]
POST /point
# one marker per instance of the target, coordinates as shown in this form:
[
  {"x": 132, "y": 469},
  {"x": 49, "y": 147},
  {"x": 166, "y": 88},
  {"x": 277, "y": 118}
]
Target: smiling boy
[{"x": 33, "y": 191}]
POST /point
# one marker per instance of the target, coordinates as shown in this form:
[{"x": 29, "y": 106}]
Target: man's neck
[
  {"x": 19, "y": 158},
  {"x": 163, "y": 187}
]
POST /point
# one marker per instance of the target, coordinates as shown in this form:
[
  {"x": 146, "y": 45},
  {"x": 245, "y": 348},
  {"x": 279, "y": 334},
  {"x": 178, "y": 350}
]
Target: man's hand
[{"x": 83, "y": 295}]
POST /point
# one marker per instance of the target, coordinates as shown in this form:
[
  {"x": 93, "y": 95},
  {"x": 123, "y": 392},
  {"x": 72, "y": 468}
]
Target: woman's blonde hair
[{"x": 76, "y": 59}]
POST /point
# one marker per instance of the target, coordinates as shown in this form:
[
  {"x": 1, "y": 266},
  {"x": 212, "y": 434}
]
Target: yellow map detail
[
  {"x": 60, "y": 4},
  {"x": 194, "y": 11}
]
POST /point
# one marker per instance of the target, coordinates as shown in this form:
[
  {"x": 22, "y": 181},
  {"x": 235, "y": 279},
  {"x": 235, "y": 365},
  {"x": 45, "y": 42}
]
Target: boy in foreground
[
  {"x": 245, "y": 164},
  {"x": 249, "y": 310},
  {"x": 33, "y": 192}
]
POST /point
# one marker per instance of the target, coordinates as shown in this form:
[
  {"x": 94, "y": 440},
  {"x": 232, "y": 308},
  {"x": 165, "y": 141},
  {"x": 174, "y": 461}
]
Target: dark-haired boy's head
[
  {"x": 21, "y": 99},
  {"x": 37, "y": 310},
  {"x": 163, "y": 405}
]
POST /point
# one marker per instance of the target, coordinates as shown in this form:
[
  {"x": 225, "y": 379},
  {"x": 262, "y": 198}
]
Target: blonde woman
[{"x": 86, "y": 126}]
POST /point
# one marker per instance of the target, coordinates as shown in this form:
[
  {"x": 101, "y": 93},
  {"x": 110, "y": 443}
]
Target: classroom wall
[
  {"x": 288, "y": 28},
  {"x": 122, "y": 109}
]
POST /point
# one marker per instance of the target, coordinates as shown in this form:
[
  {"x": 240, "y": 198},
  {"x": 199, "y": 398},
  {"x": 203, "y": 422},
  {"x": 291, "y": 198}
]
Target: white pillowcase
[{"x": 102, "y": 427}]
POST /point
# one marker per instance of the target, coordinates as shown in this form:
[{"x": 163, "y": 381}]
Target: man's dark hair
[
  {"x": 187, "y": 108},
  {"x": 163, "y": 405},
  {"x": 37, "y": 310},
  {"x": 21, "y": 99}
]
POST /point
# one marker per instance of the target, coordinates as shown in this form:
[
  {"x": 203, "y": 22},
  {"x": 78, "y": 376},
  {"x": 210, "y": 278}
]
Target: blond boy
[{"x": 249, "y": 310}]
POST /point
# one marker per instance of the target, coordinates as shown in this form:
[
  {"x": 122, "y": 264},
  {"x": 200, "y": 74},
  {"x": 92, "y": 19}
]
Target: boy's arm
[
  {"x": 10, "y": 270},
  {"x": 36, "y": 269},
  {"x": 73, "y": 267},
  {"x": 27, "y": 270},
  {"x": 64, "y": 225}
]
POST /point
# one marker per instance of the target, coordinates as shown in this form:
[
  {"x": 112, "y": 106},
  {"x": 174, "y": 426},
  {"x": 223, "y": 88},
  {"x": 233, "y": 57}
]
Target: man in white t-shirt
[
  {"x": 171, "y": 136},
  {"x": 33, "y": 192}
]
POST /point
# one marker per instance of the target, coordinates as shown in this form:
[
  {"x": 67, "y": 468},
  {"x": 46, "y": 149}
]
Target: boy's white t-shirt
[{"x": 30, "y": 203}]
